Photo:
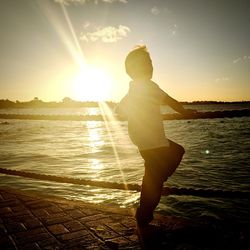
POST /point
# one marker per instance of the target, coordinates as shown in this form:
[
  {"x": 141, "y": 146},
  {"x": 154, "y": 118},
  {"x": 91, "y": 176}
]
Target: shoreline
[
  {"x": 36, "y": 103},
  {"x": 174, "y": 116}
]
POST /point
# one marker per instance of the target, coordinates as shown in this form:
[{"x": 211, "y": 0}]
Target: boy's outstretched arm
[
  {"x": 177, "y": 106},
  {"x": 121, "y": 107}
]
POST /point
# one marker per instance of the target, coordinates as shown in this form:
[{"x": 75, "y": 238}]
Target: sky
[{"x": 53, "y": 49}]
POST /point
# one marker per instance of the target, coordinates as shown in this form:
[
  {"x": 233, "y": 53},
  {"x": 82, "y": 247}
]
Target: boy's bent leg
[
  {"x": 160, "y": 164},
  {"x": 150, "y": 197}
]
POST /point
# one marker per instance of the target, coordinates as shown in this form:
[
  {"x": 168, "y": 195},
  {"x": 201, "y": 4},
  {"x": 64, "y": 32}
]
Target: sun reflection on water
[
  {"x": 95, "y": 142},
  {"x": 96, "y": 164},
  {"x": 94, "y": 136}
]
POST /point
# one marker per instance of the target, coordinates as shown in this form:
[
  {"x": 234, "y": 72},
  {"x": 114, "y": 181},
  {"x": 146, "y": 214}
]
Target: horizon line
[{"x": 36, "y": 99}]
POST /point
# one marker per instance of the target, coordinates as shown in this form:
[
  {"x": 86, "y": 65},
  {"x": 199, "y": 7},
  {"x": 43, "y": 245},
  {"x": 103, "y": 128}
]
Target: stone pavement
[{"x": 31, "y": 221}]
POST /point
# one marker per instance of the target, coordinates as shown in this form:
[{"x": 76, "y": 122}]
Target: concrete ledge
[{"x": 29, "y": 220}]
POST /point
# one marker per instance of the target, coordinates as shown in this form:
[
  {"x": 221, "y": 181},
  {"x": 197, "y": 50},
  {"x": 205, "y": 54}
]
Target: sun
[{"x": 92, "y": 84}]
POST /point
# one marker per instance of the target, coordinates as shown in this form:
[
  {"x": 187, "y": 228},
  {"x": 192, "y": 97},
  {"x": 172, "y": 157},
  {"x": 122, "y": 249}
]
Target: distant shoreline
[
  {"x": 69, "y": 103},
  {"x": 214, "y": 102}
]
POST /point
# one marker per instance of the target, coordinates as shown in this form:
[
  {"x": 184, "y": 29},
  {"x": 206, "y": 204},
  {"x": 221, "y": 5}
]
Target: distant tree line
[
  {"x": 37, "y": 103},
  {"x": 69, "y": 103},
  {"x": 214, "y": 102}
]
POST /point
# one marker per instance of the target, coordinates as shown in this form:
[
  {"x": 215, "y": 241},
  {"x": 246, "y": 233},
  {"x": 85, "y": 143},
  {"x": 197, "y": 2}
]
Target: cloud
[
  {"x": 241, "y": 59},
  {"x": 174, "y": 30},
  {"x": 109, "y": 34},
  {"x": 224, "y": 78},
  {"x": 86, "y": 25},
  {"x": 68, "y": 2},
  {"x": 164, "y": 11},
  {"x": 155, "y": 11},
  {"x": 111, "y": 1}
]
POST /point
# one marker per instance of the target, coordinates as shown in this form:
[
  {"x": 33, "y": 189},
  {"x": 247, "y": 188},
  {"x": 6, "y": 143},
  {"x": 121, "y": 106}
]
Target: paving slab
[{"x": 30, "y": 220}]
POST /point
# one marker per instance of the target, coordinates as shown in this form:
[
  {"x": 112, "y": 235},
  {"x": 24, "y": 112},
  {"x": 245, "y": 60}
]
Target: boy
[{"x": 145, "y": 126}]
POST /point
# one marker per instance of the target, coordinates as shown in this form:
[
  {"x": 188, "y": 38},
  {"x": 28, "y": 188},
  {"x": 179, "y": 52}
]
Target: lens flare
[
  {"x": 111, "y": 123},
  {"x": 66, "y": 32}
]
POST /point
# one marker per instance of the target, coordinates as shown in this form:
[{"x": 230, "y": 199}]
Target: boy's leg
[
  {"x": 149, "y": 199},
  {"x": 159, "y": 165}
]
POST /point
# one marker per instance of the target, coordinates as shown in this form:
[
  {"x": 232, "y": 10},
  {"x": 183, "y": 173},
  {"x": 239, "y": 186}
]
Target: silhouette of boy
[{"x": 141, "y": 106}]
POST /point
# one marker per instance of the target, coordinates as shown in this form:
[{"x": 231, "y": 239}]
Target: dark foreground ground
[{"x": 32, "y": 221}]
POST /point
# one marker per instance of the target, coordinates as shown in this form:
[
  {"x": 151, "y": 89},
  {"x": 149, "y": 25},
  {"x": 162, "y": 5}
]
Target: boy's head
[{"x": 138, "y": 64}]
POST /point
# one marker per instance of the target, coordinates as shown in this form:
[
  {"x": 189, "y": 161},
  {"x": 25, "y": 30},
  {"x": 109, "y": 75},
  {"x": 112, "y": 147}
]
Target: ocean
[{"x": 217, "y": 157}]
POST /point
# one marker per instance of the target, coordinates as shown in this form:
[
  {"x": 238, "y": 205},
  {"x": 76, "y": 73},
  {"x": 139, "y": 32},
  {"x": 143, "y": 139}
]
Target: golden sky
[{"x": 76, "y": 48}]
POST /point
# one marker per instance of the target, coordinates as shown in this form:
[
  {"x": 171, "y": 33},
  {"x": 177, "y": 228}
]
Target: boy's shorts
[{"x": 161, "y": 162}]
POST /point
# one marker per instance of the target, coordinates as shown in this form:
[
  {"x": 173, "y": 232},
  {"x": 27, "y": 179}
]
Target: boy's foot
[
  {"x": 142, "y": 220},
  {"x": 151, "y": 237}
]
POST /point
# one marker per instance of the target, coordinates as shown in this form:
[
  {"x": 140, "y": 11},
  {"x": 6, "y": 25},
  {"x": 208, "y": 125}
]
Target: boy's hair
[{"x": 138, "y": 63}]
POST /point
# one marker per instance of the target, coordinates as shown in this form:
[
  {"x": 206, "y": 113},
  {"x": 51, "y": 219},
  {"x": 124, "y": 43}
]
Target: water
[
  {"x": 217, "y": 156},
  {"x": 96, "y": 111}
]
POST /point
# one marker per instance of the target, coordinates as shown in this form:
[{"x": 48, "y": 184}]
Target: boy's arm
[
  {"x": 121, "y": 107},
  {"x": 177, "y": 106}
]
